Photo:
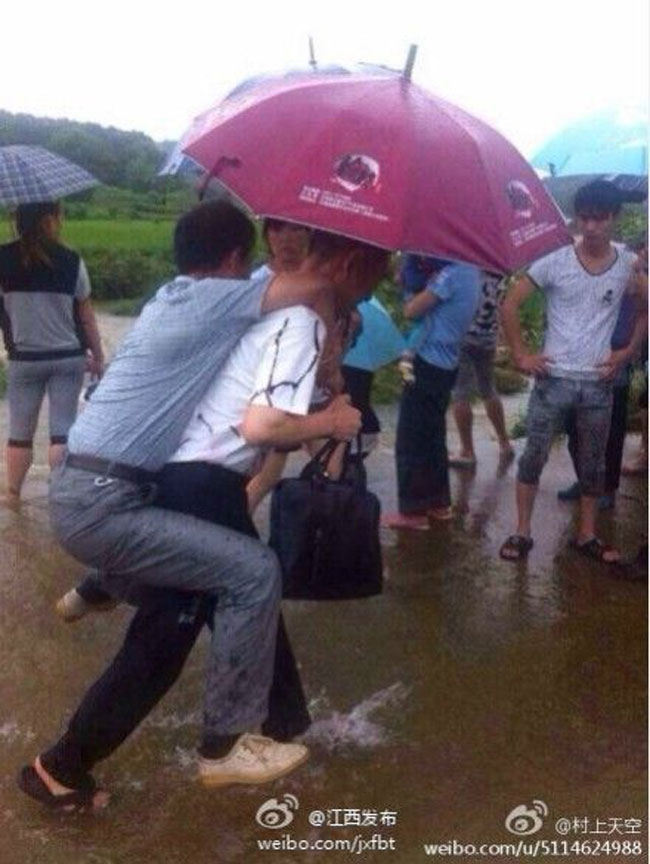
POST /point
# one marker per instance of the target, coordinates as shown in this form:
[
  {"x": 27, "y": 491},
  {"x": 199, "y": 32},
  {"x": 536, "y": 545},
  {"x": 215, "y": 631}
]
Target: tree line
[{"x": 128, "y": 160}]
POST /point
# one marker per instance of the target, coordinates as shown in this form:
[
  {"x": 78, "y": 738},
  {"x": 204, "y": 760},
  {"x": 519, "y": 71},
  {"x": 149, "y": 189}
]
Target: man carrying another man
[{"x": 101, "y": 500}]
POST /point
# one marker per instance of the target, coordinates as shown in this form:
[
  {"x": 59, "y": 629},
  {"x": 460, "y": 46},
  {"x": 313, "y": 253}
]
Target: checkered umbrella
[{"x": 30, "y": 174}]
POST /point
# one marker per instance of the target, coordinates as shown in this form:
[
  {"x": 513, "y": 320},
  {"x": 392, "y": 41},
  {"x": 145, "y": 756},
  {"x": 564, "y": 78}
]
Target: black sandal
[
  {"x": 521, "y": 546},
  {"x": 596, "y": 550},
  {"x": 77, "y": 801}
]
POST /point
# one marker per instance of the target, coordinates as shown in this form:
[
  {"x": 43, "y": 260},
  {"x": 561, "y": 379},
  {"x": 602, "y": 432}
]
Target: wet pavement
[{"x": 471, "y": 686}]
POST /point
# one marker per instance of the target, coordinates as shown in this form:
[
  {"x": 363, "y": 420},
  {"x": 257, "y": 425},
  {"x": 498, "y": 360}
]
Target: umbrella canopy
[
  {"x": 178, "y": 163},
  {"x": 372, "y": 156},
  {"x": 31, "y": 174},
  {"x": 609, "y": 142},
  {"x": 378, "y": 343}
]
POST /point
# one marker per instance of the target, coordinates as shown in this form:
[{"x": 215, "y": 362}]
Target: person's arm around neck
[
  {"x": 91, "y": 332},
  {"x": 531, "y": 364},
  {"x": 293, "y": 289}
]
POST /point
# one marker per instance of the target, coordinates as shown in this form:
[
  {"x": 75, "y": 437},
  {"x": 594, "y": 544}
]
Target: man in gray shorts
[
  {"x": 476, "y": 368},
  {"x": 584, "y": 285}
]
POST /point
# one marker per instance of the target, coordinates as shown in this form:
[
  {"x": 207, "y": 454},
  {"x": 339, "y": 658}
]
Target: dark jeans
[
  {"x": 161, "y": 636},
  {"x": 552, "y": 400},
  {"x": 421, "y": 446},
  {"x": 615, "y": 439}
]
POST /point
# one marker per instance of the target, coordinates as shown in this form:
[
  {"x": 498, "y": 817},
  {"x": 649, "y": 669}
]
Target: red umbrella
[{"x": 373, "y": 156}]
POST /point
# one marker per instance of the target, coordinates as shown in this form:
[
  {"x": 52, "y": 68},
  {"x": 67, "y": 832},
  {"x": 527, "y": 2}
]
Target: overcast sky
[{"x": 525, "y": 67}]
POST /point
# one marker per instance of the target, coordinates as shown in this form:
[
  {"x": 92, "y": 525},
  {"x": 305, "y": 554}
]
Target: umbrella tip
[
  {"x": 312, "y": 54},
  {"x": 410, "y": 62}
]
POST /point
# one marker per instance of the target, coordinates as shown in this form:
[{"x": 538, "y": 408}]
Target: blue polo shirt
[{"x": 457, "y": 288}]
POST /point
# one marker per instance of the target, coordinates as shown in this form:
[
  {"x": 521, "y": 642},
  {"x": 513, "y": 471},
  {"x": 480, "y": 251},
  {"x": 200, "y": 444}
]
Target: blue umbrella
[
  {"x": 378, "y": 343},
  {"x": 32, "y": 174},
  {"x": 629, "y": 158},
  {"x": 610, "y": 142}
]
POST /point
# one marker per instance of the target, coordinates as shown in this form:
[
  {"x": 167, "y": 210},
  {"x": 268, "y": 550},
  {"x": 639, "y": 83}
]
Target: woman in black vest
[{"x": 50, "y": 334}]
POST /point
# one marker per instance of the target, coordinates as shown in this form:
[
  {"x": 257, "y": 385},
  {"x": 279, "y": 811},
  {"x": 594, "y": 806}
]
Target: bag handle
[
  {"x": 323, "y": 456},
  {"x": 317, "y": 465}
]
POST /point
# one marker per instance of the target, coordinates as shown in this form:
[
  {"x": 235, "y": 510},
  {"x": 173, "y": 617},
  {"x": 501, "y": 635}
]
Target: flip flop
[
  {"x": 595, "y": 550},
  {"x": 78, "y": 801},
  {"x": 521, "y": 546}
]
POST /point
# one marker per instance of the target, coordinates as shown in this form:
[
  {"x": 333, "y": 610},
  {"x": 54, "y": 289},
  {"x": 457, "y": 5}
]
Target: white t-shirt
[
  {"x": 273, "y": 364},
  {"x": 581, "y": 309}
]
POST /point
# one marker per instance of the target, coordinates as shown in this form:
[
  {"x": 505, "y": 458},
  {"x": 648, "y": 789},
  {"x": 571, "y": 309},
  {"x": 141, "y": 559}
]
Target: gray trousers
[{"x": 110, "y": 525}]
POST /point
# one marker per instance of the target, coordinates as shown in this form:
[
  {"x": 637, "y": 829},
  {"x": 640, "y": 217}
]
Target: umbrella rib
[{"x": 460, "y": 120}]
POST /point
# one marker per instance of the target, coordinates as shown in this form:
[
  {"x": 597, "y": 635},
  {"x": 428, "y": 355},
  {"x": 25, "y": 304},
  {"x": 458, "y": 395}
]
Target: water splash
[
  {"x": 10, "y": 732},
  {"x": 356, "y": 729},
  {"x": 184, "y": 758}
]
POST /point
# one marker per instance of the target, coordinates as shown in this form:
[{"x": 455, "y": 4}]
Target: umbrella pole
[
  {"x": 312, "y": 55},
  {"x": 410, "y": 62}
]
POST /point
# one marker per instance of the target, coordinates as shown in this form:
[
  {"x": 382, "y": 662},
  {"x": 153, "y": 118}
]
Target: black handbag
[{"x": 326, "y": 534}]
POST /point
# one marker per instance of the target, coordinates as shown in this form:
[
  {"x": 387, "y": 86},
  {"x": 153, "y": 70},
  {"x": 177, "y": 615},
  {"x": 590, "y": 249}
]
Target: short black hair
[
  {"x": 207, "y": 233},
  {"x": 599, "y": 196}
]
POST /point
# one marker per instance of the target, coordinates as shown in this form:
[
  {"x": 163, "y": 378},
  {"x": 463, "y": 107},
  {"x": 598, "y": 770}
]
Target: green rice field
[{"x": 117, "y": 234}]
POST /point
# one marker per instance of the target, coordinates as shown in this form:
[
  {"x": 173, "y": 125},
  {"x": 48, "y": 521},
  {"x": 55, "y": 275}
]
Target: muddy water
[{"x": 471, "y": 686}]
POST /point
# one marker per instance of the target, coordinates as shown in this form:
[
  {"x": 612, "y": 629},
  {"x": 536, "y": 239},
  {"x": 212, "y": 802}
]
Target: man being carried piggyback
[{"x": 583, "y": 285}]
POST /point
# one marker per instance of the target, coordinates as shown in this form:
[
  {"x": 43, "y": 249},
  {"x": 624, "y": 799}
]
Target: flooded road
[{"x": 470, "y": 687}]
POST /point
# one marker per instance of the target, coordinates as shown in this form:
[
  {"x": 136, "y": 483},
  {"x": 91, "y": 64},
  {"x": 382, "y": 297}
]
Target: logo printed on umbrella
[
  {"x": 353, "y": 171},
  {"x": 521, "y": 199}
]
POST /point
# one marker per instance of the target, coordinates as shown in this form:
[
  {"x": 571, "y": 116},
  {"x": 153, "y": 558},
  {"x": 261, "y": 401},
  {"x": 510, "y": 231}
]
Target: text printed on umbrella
[{"x": 339, "y": 201}]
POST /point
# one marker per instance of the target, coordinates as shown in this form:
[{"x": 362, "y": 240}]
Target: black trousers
[
  {"x": 421, "y": 445},
  {"x": 615, "y": 440},
  {"x": 160, "y": 637}
]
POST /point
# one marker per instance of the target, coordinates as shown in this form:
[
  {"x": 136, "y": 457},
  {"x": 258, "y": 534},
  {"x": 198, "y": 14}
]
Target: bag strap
[
  {"x": 318, "y": 464},
  {"x": 323, "y": 456}
]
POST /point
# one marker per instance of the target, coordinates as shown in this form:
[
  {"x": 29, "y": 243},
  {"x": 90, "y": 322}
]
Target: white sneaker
[
  {"x": 72, "y": 606},
  {"x": 253, "y": 759}
]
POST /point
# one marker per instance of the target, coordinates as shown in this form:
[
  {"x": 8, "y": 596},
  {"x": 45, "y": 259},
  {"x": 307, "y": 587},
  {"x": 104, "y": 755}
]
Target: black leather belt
[{"x": 104, "y": 468}]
